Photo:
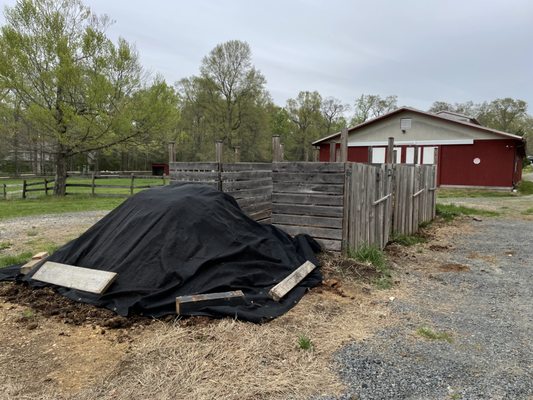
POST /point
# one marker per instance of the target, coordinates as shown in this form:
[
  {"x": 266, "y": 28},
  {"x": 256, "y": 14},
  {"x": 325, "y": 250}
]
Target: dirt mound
[{"x": 50, "y": 304}]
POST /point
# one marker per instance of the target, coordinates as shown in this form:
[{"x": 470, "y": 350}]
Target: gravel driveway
[{"x": 479, "y": 294}]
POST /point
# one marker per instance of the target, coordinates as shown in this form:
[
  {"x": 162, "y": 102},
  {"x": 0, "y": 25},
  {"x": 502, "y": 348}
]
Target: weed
[
  {"x": 5, "y": 245},
  {"x": 373, "y": 255},
  {"x": 32, "y": 232},
  {"x": 428, "y": 333},
  {"x": 450, "y": 211},
  {"x": 6, "y": 261},
  {"x": 529, "y": 211},
  {"x": 455, "y": 396},
  {"x": 28, "y": 314},
  {"x": 407, "y": 240},
  {"x": 304, "y": 343},
  {"x": 525, "y": 187},
  {"x": 425, "y": 224}
]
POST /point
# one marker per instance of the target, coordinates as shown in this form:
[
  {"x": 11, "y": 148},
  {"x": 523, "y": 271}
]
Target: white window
[
  {"x": 429, "y": 155},
  {"x": 410, "y": 155},
  {"x": 398, "y": 152},
  {"x": 378, "y": 155},
  {"x": 405, "y": 123}
]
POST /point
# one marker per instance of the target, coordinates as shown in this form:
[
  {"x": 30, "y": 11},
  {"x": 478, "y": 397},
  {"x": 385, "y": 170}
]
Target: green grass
[
  {"x": 450, "y": 211},
  {"x": 407, "y": 240},
  {"x": 5, "y": 245},
  {"x": 430, "y": 334},
  {"x": 304, "y": 343},
  {"x": 451, "y": 193},
  {"x": 529, "y": 211},
  {"x": 373, "y": 255},
  {"x": 6, "y": 261},
  {"x": 525, "y": 187},
  {"x": 55, "y": 205}
]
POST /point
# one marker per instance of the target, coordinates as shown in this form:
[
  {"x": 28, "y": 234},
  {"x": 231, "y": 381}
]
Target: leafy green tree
[
  {"x": 333, "y": 111},
  {"x": 369, "y": 106},
  {"x": 74, "y": 84},
  {"x": 305, "y": 114},
  {"x": 227, "y": 102}
]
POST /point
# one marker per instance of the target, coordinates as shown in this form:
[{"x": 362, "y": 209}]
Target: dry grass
[{"x": 228, "y": 359}]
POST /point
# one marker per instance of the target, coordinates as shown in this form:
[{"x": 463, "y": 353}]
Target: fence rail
[{"x": 47, "y": 185}]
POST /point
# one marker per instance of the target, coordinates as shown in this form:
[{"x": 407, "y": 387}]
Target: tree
[
  {"x": 226, "y": 102},
  {"x": 372, "y": 106},
  {"x": 333, "y": 112},
  {"x": 74, "y": 84},
  {"x": 507, "y": 114},
  {"x": 304, "y": 112}
]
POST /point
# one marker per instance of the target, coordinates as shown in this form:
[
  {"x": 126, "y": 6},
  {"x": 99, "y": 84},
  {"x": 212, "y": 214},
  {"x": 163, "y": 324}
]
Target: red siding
[
  {"x": 501, "y": 164},
  {"x": 495, "y": 169}
]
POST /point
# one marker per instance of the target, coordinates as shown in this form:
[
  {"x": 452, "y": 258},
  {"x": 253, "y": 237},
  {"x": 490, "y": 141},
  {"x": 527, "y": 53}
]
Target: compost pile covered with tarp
[{"x": 185, "y": 239}]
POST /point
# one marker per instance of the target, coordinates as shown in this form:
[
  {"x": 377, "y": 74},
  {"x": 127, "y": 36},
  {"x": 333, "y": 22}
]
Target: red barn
[{"x": 466, "y": 153}]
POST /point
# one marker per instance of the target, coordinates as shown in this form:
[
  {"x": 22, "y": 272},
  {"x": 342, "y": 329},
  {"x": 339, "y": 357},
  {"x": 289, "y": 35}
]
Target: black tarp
[{"x": 186, "y": 239}]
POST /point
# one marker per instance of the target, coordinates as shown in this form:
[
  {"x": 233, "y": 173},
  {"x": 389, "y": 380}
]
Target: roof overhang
[{"x": 415, "y": 111}]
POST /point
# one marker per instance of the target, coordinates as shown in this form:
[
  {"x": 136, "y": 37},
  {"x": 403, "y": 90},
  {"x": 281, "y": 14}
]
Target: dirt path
[{"x": 466, "y": 331}]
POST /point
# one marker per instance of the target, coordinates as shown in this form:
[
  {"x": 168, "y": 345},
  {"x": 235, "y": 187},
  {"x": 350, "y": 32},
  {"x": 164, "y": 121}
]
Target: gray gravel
[{"x": 488, "y": 311}]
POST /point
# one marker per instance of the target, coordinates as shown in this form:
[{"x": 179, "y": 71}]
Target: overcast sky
[{"x": 420, "y": 50}]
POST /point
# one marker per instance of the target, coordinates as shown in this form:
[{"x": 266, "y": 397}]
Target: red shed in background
[{"x": 466, "y": 153}]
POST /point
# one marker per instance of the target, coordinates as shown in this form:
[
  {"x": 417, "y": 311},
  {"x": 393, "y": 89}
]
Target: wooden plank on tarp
[
  {"x": 70, "y": 276},
  {"x": 287, "y": 284},
  {"x": 187, "y": 304}
]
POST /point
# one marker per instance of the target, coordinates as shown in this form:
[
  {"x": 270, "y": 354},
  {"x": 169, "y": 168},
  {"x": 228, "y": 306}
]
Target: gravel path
[{"x": 483, "y": 302}]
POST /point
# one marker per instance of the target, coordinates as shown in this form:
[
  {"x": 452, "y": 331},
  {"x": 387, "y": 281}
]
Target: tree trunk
[{"x": 61, "y": 174}]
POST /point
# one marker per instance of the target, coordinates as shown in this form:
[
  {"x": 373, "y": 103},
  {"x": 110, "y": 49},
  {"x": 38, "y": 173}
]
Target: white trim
[{"x": 413, "y": 142}]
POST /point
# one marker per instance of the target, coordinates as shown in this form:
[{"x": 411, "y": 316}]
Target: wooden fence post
[
  {"x": 132, "y": 184},
  {"x": 219, "y": 150},
  {"x": 276, "y": 153},
  {"x": 415, "y": 157},
  {"x": 219, "y": 155},
  {"x": 5, "y": 191},
  {"x": 344, "y": 145},
  {"x": 93, "y": 178},
  {"x": 171, "y": 151},
  {"x": 332, "y": 151},
  {"x": 316, "y": 154},
  {"x": 390, "y": 151},
  {"x": 237, "y": 154},
  {"x": 46, "y": 186},
  {"x": 282, "y": 152},
  {"x": 369, "y": 154},
  {"x": 24, "y": 188}
]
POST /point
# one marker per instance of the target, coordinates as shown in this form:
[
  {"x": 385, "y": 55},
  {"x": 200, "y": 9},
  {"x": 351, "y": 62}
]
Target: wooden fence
[
  {"x": 46, "y": 185},
  {"x": 249, "y": 183},
  {"x": 309, "y": 198},
  {"x": 340, "y": 204}
]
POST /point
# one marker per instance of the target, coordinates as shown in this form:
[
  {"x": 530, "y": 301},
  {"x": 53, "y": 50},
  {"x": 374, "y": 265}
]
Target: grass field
[{"x": 55, "y": 205}]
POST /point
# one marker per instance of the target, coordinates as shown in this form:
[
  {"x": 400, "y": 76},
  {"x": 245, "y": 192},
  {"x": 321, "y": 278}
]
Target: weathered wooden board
[
  {"x": 310, "y": 188},
  {"x": 313, "y": 199},
  {"x": 313, "y": 167},
  {"x": 309, "y": 177},
  {"x": 245, "y": 193},
  {"x": 249, "y": 184},
  {"x": 247, "y": 166},
  {"x": 245, "y": 175},
  {"x": 307, "y": 220},
  {"x": 70, "y": 276},
  {"x": 37, "y": 259},
  {"x": 298, "y": 209},
  {"x": 323, "y": 233},
  {"x": 287, "y": 284},
  {"x": 187, "y": 304},
  {"x": 40, "y": 255}
]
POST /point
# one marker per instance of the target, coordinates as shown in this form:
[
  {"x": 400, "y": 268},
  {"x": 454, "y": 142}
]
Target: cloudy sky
[{"x": 420, "y": 50}]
